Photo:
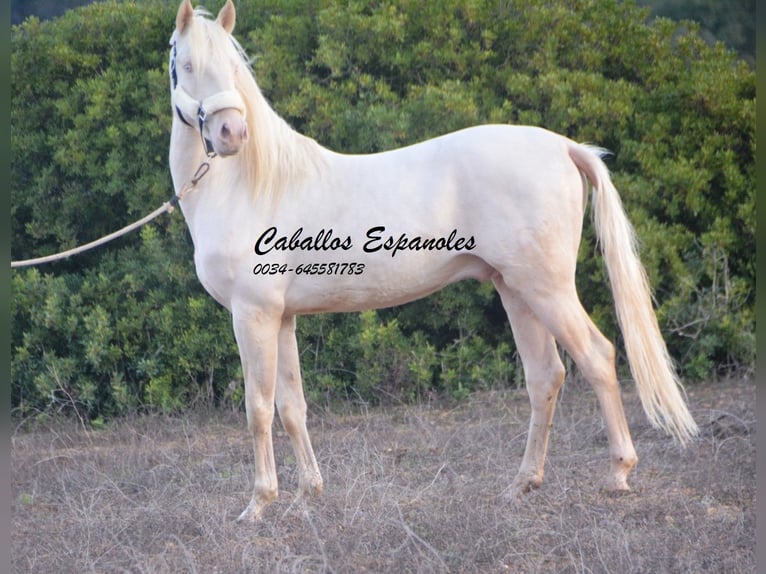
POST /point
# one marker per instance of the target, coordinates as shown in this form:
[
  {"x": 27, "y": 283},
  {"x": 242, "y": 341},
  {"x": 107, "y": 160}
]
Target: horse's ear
[
  {"x": 185, "y": 15},
  {"x": 227, "y": 17}
]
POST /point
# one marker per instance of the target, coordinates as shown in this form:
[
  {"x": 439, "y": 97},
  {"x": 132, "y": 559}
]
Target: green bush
[{"x": 128, "y": 326}]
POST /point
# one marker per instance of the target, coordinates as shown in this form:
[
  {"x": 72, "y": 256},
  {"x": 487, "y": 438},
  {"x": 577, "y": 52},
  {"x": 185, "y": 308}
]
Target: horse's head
[{"x": 204, "y": 63}]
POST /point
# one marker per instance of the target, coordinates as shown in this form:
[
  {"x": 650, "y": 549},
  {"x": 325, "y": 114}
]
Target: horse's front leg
[
  {"x": 256, "y": 333},
  {"x": 292, "y": 409}
]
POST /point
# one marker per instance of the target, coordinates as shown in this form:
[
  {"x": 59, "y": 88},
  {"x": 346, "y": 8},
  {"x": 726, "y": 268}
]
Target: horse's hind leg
[
  {"x": 562, "y": 313},
  {"x": 292, "y": 409},
  {"x": 544, "y": 374}
]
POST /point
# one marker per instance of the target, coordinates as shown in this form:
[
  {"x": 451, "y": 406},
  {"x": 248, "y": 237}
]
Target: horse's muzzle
[{"x": 232, "y": 134}]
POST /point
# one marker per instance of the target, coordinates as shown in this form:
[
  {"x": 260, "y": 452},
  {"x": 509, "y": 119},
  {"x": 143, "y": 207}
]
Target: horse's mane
[{"x": 275, "y": 155}]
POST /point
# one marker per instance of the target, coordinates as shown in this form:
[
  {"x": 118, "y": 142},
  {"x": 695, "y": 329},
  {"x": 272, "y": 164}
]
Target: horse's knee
[
  {"x": 260, "y": 419},
  {"x": 543, "y": 386},
  {"x": 292, "y": 415}
]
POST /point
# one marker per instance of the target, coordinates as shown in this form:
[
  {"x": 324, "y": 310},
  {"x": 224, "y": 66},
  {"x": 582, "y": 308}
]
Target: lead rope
[{"x": 168, "y": 207}]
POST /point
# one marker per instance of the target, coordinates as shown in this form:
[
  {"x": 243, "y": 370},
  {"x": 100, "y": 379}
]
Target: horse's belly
[{"x": 380, "y": 284}]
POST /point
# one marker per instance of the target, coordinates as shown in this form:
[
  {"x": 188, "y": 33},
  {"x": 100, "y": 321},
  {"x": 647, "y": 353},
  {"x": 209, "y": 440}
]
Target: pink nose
[{"x": 234, "y": 135}]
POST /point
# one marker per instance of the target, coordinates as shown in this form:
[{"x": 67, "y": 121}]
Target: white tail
[{"x": 658, "y": 386}]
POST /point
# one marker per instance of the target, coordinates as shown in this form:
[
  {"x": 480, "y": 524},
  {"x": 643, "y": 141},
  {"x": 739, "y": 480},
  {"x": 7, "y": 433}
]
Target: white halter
[{"x": 187, "y": 107}]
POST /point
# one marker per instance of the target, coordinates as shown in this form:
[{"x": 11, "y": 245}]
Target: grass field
[{"x": 407, "y": 489}]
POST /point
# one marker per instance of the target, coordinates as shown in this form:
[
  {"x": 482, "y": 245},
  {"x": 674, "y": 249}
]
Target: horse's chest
[{"x": 214, "y": 273}]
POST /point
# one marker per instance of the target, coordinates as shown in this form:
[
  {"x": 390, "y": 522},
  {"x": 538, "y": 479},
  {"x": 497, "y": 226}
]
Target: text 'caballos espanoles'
[{"x": 375, "y": 240}]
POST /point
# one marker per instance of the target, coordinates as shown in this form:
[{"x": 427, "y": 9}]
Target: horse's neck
[
  {"x": 186, "y": 155},
  {"x": 234, "y": 177},
  {"x": 186, "y": 160}
]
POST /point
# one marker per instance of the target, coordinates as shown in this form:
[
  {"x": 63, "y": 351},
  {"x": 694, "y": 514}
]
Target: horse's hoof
[
  {"x": 250, "y": 515},
  {"x": 311, "y": 486},
  {"x": 522, "y": 485},
  {"x": 254, "y": 511}
]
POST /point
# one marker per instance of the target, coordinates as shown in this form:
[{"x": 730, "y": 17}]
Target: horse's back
[{"x": 477, "y": 162}]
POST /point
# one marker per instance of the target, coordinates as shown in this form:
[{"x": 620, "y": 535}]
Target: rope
[
  {"x": 168, "y": 206},
  {"x": 127, "y": 229}
]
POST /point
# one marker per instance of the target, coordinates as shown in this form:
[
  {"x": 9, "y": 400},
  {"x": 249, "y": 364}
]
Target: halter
[{"x": 188, "y": 107}]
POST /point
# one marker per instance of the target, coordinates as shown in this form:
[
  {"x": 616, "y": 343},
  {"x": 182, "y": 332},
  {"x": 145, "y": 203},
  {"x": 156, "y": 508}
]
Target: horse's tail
[{"x": 658, "y": 386}]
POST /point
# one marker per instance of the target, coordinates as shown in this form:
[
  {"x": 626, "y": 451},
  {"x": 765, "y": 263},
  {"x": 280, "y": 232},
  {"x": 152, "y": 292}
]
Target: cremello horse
[{"x": 282, "y": 227}]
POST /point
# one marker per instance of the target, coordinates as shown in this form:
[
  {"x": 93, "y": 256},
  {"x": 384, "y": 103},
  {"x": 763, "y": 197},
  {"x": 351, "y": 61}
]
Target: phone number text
[{"x": 309, "y": 269}]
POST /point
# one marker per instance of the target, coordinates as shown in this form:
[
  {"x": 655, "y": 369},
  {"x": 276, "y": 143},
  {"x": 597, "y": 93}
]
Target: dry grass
[{"x": 408, "y": 489}]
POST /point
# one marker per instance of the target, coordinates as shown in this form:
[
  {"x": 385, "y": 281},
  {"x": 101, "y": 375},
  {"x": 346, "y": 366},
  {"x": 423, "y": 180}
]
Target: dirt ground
[{"x": 407, "y": 489}]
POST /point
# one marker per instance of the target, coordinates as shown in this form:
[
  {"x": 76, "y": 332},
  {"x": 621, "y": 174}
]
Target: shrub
[{"x": 129, "y": 327}]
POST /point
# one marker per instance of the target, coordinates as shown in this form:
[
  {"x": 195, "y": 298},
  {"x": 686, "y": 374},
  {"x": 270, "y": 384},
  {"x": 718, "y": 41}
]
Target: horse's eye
[{"x": 188, "y": 67}]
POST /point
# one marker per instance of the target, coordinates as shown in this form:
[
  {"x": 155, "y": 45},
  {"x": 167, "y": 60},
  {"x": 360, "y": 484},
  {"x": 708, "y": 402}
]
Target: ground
[{"x": 407, "y": 489}]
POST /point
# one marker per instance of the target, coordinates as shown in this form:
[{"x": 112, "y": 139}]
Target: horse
[{"x": 283, "y": 227}]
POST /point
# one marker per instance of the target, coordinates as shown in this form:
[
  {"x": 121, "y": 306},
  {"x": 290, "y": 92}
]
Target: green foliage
[
  {"x": 129, "y": 327},
  {"x": 392, "y": 364}
]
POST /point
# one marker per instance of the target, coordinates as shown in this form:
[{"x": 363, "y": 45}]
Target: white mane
[{"x": 275, "y": 155}]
